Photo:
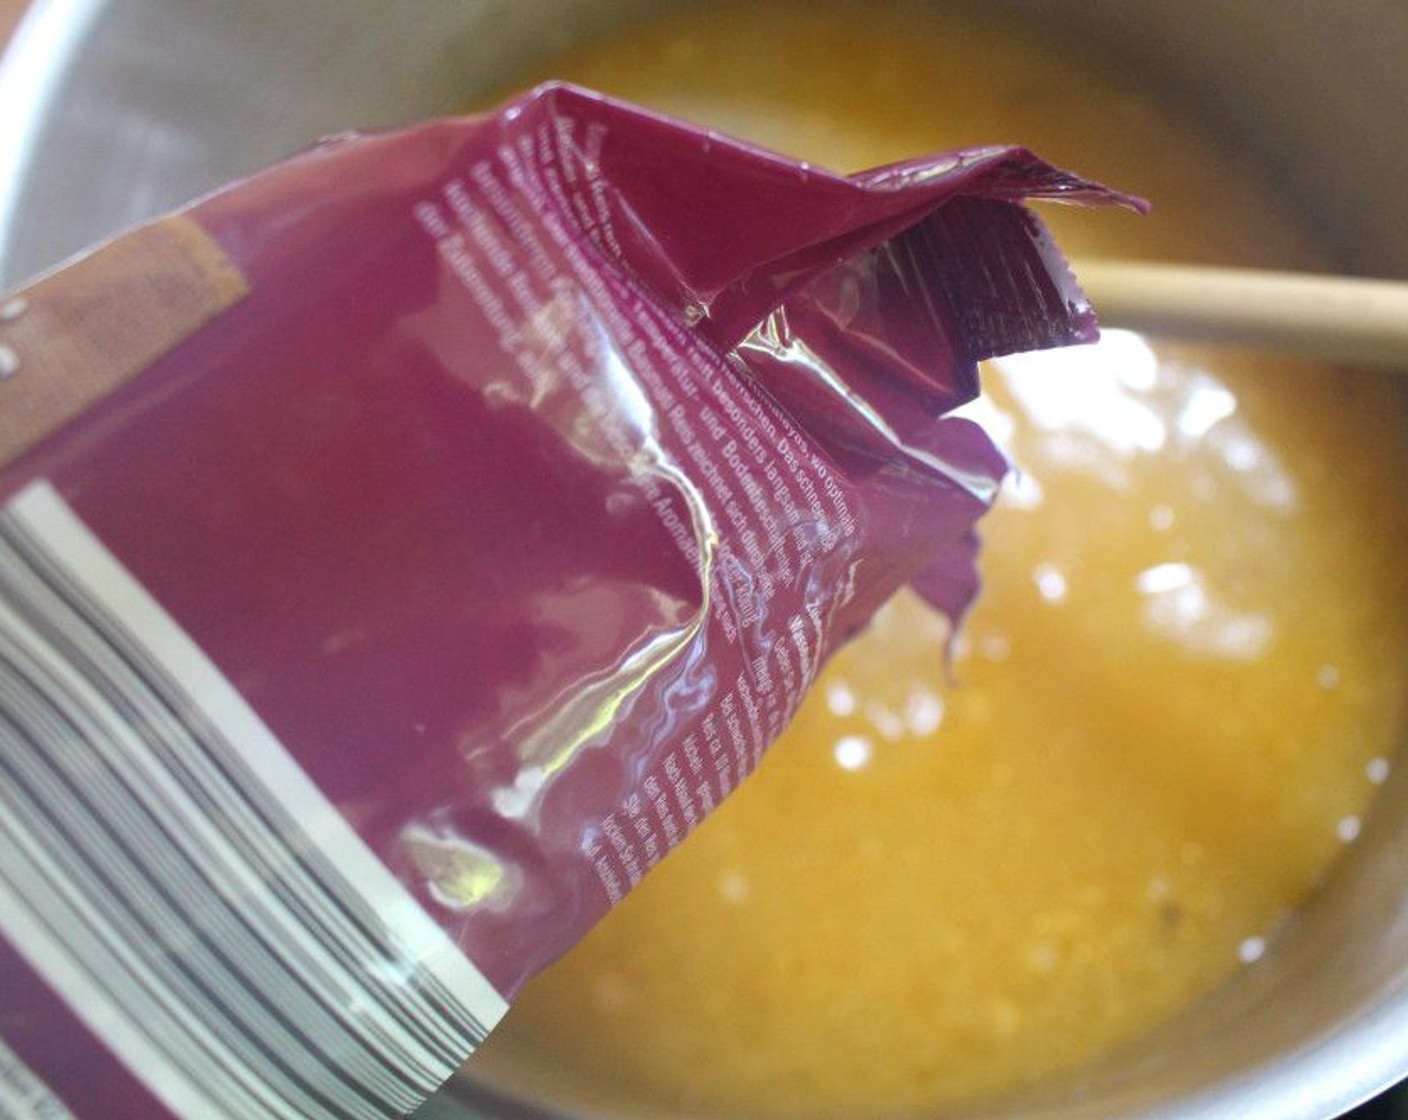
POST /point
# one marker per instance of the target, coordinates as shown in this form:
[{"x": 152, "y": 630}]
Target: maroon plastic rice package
[{"x": 405, "y": 547}]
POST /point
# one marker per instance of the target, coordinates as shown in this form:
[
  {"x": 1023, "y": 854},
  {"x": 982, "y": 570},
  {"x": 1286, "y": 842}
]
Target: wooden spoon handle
[{"x": 1343, "y": 319}]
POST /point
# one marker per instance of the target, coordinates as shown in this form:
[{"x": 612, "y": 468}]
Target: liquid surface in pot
[{"x": 1168, "y": 712}]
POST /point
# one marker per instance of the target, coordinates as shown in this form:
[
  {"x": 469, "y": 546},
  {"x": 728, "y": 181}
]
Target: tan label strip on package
[{"x": 75, "y": 335}]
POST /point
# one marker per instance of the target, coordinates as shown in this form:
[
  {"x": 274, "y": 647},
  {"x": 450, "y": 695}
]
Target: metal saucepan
[{"x": 111, "y": 112}]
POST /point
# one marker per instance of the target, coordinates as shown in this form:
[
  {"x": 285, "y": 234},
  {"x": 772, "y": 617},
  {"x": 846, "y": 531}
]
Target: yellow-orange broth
[{"x": 1167, "y": 715}]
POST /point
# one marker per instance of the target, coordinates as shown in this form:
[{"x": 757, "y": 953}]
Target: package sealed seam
[{"x": 405, "y": 547}]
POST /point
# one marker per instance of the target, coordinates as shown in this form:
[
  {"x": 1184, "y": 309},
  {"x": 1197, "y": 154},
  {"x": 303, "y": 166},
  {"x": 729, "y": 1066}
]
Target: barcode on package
[{"x": 178, "y": 880}]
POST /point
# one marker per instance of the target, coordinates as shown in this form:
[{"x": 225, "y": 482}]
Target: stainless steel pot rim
[{"x": 31, "y": 77}]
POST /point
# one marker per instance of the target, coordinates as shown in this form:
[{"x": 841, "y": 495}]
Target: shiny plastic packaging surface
[{"x": 403, "y": 548}]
